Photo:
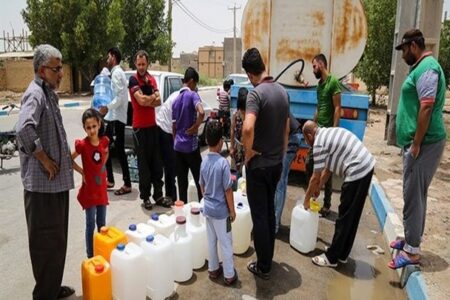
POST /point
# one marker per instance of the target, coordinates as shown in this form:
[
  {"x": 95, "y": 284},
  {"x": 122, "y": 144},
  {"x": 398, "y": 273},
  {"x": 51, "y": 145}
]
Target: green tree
[
  {"x": 444, "y": 49},
  {"x": 82, "y": 29},
  {"x": 375, "y": 65},
  {"x": 147, "y": 29}
]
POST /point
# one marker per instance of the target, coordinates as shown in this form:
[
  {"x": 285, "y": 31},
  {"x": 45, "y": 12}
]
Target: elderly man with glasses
[{"x": 47, "y": 175}]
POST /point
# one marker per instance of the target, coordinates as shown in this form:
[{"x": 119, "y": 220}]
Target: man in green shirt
[
  {"x": 328, "y": 114},
  {"x": 421, "y": 134}
]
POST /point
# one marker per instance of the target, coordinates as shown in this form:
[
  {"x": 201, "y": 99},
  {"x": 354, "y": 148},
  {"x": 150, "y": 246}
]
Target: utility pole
[
  {"x": 169, "y": 23},
  {"x": 234, "y": 8}
]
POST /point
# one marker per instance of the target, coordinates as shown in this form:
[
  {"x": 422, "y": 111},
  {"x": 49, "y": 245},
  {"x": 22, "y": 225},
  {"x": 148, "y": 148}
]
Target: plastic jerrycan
[
  {"x": 138, "y": 233},
  {"x": 304, "y": 227},
  {"x": 128, "y": 272},
  {"x": 192, "y": 192},
  {"x": 199, "y": 240},
  {"x": 102, "y": 91},
  {"x": 187, "y": 211},
  {"x": 182, "y": 256},
  {"x": 106, "y": 241},
  {"x": 240, "y": 197},
  {"x": 158, "y": 254},
  {"x": 241, "y": 228},
  {"x": 163, "y": 224},
  {"x": 178, "y": 208},
  {"x": 96, "y": 279}
]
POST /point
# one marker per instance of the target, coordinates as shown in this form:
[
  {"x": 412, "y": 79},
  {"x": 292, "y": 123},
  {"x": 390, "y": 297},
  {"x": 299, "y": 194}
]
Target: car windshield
[{"x": 238, "y": 78}]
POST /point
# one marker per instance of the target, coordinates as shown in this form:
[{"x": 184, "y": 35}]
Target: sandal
[
  {"x": 122, "y": 191},
  {"x": 110, "y": 185},
  {"x": 397, "y": 244},
  {"x": 252, "y": 267},
  {"x": 65, "y": 291},
  {"x": 322, "y": 261},
  {"x": 215, "y": 274},
  {"x": 401, "y": 261},
  {"x": 164, "y": 202},
  {"x": 232, "y": 280},
  {"x": 324, "y": 212}
]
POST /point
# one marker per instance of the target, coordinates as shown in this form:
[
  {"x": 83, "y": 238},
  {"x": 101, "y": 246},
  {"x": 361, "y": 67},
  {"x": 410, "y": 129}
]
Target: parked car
[
  {"x": 238, "y": 78},
  {"x": 168, "y": 83}
]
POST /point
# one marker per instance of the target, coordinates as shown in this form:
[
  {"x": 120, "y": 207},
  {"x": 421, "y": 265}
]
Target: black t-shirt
[{"x": 269, "y": 102}]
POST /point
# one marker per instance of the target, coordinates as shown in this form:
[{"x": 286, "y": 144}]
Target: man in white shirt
[
  {"x": 164, "y": 121},
  {"x": 116, "y": 119}
]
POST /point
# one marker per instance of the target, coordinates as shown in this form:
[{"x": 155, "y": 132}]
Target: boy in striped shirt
[{"x": 337, "y": 150}]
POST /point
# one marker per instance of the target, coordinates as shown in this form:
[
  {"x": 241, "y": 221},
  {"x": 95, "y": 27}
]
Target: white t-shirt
[{"x": 164, "y": 112}]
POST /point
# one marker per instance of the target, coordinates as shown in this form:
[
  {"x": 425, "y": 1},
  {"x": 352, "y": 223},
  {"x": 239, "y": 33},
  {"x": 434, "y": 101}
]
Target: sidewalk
[{"x": 435, "y": 245}]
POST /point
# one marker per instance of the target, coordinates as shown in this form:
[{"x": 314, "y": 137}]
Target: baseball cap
[{"x": 410, "y": 36}]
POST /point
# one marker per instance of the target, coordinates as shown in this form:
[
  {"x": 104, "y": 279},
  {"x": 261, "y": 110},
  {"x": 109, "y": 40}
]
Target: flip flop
[
  {"x": 397, "y": 244},
  {"x": 110, "y": 185},
  {"x": 122, "y": 191},
  {"x": 401, "y": 261},
  {"x": 322, "y": 261}
]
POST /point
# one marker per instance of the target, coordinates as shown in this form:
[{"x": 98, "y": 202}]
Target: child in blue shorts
[{"x": 215, "y": 182}]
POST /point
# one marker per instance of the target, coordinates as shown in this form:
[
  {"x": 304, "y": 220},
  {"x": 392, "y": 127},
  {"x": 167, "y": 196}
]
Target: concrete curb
[
  {"x": 71, "y": 104},
  {"x": 410, "y": 277}
]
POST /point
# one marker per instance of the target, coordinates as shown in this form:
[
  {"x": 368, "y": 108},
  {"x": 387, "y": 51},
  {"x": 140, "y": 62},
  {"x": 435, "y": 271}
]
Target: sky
[{"x": 187, "y": 34}]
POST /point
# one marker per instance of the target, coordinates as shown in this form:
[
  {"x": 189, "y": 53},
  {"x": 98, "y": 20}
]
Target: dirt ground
[{"x": 388, "y": 170}]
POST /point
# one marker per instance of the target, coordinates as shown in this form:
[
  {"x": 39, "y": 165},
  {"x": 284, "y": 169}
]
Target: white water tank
[
  {"x": 199, "y": 239},
  {"x": 241, "y": 228},
  {"x": 286, "y": 30},
  {"x": 304, "y": 229},
  {"x": 138, "y": 233},
  {"x": 163, "y": 223}
]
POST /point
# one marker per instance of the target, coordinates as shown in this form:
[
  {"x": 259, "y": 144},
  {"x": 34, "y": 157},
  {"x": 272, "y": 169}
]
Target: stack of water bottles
[
  {"x": 133, "y": 167},
  {"x": 148, "y": 258},
  {"x": 102, "y": 91}
]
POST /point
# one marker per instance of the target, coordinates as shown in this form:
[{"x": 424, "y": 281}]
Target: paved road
[{"x": 293, "y": 276}]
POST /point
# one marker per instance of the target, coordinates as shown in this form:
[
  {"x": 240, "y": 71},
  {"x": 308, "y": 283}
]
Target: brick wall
[{"x": 19, "y": 74}]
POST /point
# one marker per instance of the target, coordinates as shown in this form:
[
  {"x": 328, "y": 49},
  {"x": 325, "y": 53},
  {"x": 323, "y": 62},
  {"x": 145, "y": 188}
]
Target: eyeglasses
[{"x": 57, "y": 69}]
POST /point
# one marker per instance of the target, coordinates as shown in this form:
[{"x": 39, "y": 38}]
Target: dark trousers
[
  {"x": 328, "y": 188},
  {"x": 150, "y": 169},
  {"x": 117, "y": 128},
  {"x": 184, "y": 163},
  {"x": 261, "y": 187},
  {"x": 47, "y": 217},
  {"x": 168, "y": 159},
  {"x": 353, "y": 197}
]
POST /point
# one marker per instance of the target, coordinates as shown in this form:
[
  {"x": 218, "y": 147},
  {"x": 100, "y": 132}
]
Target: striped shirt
[
  {"x": 40, "y": 127},
  {"x": 224, "y": 100},
  {"x": 341, "y": 152}
]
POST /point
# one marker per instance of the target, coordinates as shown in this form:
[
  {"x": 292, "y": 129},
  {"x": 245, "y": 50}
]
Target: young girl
[
  {"x": 237, "y": 149},
  {"x": 92, "y": 194}
]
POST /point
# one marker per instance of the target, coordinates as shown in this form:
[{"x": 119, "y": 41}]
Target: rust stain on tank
[
  {"x": 256, "y": 28},
  {"x": 288, "y": 50},
  {"x": 318, "y": 18},
  {"x": 351, "y": 28}
]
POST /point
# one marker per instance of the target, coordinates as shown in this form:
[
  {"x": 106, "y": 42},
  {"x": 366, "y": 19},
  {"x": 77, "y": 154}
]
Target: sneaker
[
  {"x": 65, "y": 291},
  {"x": 215, "y": 274},
  {"x": 252, "y": 267},
  {"x": 147, "y": 204},
  {"x": 232, "y": 280}
]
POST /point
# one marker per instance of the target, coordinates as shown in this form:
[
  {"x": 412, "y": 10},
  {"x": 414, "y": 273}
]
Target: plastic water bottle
[
  {"x": 304, "y": 227},
  {"x": 102, "y": 91}
]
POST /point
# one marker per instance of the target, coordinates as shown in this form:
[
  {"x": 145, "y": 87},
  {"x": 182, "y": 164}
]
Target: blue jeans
[
  {"x": 280, "y": 193},
  {"x": 94, "y": 214}
]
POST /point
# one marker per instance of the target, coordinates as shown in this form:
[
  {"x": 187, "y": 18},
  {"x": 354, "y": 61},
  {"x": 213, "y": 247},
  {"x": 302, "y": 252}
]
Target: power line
[{"x": 197, "y": 20}]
